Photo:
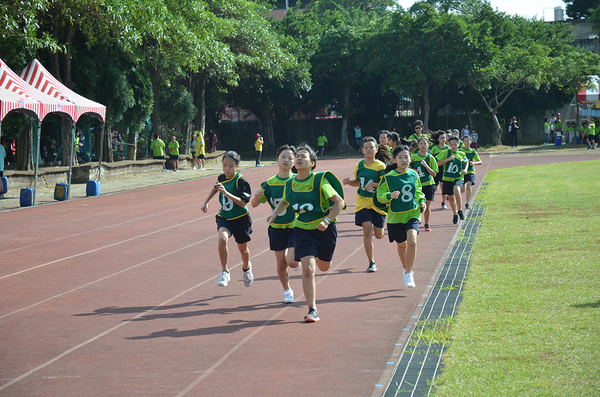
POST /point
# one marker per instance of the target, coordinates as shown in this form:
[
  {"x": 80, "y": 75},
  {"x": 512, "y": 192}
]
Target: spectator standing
[
  {"x": 193, "y": 149},
  {"x": 174, "y": 152},
  {"x": 200, "y": 150},
  {"x": 474, "y": 139},
  {"x": 358, "y": 136},
  {"x": 158, "y": 149},
  {"x": 258, "y": 144},
  {"x": 546, "y": 130},
  {"x": 513, "y": 128},
  {"x": 212, "y": 138},
  {"x": 465, "y": 131}
]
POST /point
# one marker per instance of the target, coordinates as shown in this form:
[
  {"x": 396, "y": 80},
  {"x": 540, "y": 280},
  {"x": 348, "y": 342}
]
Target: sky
[{"x": 542, "y": 9}]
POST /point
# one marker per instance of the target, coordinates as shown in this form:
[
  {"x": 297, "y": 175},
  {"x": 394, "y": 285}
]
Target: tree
[
  {"x": 343, "y": 29},
  {"x": 580, "y": 9},
  {"x": 421, "y": 49},
  {"x": 524, "y": 54}
]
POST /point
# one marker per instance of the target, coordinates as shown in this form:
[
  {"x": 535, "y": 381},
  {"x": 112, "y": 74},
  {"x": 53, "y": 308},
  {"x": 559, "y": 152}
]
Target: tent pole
[
  {"x": 39, "y": 134},
  {"x": 71, "y": 161},
  {"x": 101, "y": 150}
]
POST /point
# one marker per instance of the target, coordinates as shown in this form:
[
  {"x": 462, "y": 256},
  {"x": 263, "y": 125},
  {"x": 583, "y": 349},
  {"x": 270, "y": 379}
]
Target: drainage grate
[{"x": 420, "y": 361}]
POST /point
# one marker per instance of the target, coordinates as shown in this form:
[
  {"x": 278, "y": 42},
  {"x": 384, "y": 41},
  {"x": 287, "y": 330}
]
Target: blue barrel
[
  {"x": 4, "y": 185},
  {"x": 27, "y": 195},
  {"x": 61, "y": 191},
  {"x": 92, "y": 188},
  {"x": 557, "y": 141}
]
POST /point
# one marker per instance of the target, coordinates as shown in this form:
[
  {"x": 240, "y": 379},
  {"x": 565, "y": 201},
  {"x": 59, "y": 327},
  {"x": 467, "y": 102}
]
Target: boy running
[{"x": 367, "y": 174}]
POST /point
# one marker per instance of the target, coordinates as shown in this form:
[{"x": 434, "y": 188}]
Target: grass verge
[{"x": 529, "y": 322}]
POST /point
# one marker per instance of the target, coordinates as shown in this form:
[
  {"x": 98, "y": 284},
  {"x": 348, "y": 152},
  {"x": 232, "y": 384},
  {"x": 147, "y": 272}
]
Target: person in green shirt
[
  {"x": 281, "y": 230},
  {"x": 401, "y": 188},
  {"x": 158, "y": 149},
  {"x": 321, "y": 141},
  {"x": 455, "y": 166},
  {"x": 233, "y": 218},
  {"x": 367, "y": 215},
  {"x": 469, "y": 178},
  {"x": 438, "y": 140},
  {"x": 174, "y": 152},
  {"x": 426, "y": 166},
  {"x": 318, "y": 198}
]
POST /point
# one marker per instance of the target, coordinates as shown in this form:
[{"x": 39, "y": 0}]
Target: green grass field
[{"x": 529, "y": 322}]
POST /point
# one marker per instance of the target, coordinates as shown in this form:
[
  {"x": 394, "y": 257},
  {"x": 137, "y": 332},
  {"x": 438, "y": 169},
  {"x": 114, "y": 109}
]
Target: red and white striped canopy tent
[
  {"x": 40, "y": 79},
  {"x": 30, "y": 101},
  {"x": 589, "y": 95}
]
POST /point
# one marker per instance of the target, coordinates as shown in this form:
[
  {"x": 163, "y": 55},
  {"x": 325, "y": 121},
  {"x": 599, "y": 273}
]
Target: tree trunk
[
  {"x": 132, "y": 147},
  {"x": 69, "y": 33},
  {"x": 25, "y": 149},
  {"x": 426, "y": 110},
  {"x": 267, "y": 128},
  {"x": 107, "y": 154},
  {"x": 66, "y": 139},
  {"x": 156, "y": 121},
  {"x": 468, "y": 108},
  {"x": 497, "y": 136},
  {"x": 344, "y": 144}
]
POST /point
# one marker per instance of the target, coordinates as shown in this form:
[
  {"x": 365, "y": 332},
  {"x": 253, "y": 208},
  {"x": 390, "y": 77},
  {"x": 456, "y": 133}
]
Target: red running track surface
[{"x": 116, "y": 296}]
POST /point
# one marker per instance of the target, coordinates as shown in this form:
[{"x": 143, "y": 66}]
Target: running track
[{"x": 116, "y": 296}]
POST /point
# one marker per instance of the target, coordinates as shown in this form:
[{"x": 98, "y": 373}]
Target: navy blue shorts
[
  {"x": 369, "y": 215},
  {"x": 281, "y": 239},
  {"x": 173, "y": 157},
  {"x": 428, "y": 191},
  {"x": 470, "y": 178},
  {"x": 200, "y": 156},
  {"x": 315, "y": 243},
  {"x": 448, "y": 187},
  {"x": 397, "y": 231},
  {"x": 239, "y": 228},
  {"x": 438, "y": 177},
  {"x": 158, "y": 157}
]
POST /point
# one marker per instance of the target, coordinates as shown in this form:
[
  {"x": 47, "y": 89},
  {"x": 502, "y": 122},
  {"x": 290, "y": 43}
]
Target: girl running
[
  {"x": 367, "y": 174},
  {"x": 426, "y": 166},
  {"x": 281, "y": 230},
  {"x": 317, "y": 198},
  {"x": 439, "y": 145},
  {"x": 401, "y": 188},
  {"x": 233, "y": 218},
  {"x": 455, "y": 166},
  {"x": 469, "y": 178}
]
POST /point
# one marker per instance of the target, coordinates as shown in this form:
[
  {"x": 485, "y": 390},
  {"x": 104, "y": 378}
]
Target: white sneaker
[
  {"x": 409, "y": 280},
  {"x": 288, "y": 296},
  {"x": 248, "y": 276},
  {"x": 224, "y": 279},
  {"x": 297, "y": 267},
  {"x": 194, "y": 167}
]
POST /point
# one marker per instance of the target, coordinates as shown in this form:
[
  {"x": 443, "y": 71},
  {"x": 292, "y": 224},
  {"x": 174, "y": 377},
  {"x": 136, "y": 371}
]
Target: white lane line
[
  {"x": 106, "y": 277},
  {"x": 241, "y": 343},
  {"x": 100, "y": 228},
  {"x": 100, "y": 248},
  {"x": 125, "y": 322}
]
